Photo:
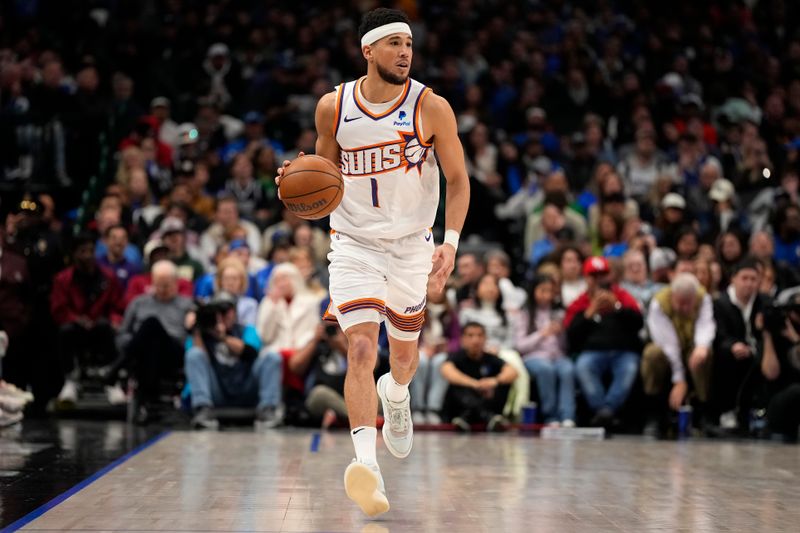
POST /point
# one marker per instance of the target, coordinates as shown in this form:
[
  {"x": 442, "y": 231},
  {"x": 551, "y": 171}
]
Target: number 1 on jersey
[{"x": 374, "y": 183}]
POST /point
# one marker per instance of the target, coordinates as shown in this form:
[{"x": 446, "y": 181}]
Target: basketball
[{"x": 311, "y": 187}]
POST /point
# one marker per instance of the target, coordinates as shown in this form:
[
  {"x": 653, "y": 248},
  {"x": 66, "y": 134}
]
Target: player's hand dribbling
[
  {"x": 281, "y": 170},
  {"x": 444, "y": 259}
]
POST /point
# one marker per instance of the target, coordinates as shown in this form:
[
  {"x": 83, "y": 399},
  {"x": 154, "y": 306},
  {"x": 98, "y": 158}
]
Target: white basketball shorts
[{"x": 377, "y": 280}]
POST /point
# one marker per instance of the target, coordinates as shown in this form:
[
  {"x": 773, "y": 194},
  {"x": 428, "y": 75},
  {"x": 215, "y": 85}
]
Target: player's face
[{"x": 392, "y": 57}]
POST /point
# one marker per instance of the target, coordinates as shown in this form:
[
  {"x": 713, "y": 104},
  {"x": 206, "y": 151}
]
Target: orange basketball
[{"x": 311, "y": 187}]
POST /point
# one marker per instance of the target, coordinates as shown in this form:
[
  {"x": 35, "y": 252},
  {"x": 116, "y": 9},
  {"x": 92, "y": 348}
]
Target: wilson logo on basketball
[
  {"x": 304, "y": 208},
  {"x": 406, "y": 152}
]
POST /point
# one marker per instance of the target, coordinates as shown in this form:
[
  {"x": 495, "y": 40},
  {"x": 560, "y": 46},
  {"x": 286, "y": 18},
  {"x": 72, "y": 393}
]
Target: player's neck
[{"x": 377, "y": 91}]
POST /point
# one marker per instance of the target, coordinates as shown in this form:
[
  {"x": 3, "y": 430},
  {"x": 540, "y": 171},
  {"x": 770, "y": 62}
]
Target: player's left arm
[{"x": 439, "y": 124}]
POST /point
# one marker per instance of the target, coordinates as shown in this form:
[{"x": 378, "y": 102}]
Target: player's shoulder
[
  {"x": 435, "y": 104},
  {"x": 328, "y": 101}
]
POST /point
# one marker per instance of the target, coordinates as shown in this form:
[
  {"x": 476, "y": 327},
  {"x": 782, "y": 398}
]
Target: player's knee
[{"x": 362, "y": 353}]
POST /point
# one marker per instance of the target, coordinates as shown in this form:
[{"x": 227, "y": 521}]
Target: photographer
[
  {"x": 321, "y": 365},
  {"x": 781, "y": 367},
  {"x": 225, "y": 369}
]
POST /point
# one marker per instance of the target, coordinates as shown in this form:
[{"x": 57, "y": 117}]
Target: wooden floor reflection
[{"x": 245, "y": 481}]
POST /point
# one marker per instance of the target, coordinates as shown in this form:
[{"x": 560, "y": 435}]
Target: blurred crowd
[{"x": 632, "y": 247}]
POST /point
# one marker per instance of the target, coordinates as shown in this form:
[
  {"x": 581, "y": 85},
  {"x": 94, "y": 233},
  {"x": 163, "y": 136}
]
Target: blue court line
[
  {"x": 36, "y": 513},
  {"x": 315, "y": 438}
]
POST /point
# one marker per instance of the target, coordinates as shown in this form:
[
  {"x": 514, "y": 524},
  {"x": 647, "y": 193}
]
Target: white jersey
[{"x": 391, "y": 180}]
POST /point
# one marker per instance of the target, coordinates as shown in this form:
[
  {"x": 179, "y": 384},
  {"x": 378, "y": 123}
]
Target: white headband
[{"x": 376, "y": 34}]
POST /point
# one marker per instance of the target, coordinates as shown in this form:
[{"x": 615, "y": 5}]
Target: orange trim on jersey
[
  {"x": 389, "y": 111},
  {"x": 417, "y": 113},
  {"x": 403, "y": 135},
  {"x": 338, "y": 108},
  {"x": 363, "y": 303}
]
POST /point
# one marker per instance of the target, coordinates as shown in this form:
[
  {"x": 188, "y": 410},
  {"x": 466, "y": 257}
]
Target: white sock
[
  {"x": 396, "y": 392},
  {"x": 364, "y": 438}
]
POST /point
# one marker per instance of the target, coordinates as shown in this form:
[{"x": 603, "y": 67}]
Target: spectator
[
  {"x": 167, "y": 128},
  {"x": 780, "y": 366},
  {"x": 150, "y": 339},
  {"x": 762, "y": 247},
  {"x": 725, "y": 215},
  {"x": 86, "y": 304},
  {"x": 287, "y": 229},
  {"x": 730, "y": 251},
  {"x": 231, "y": 278},
  {"x": 738, "y": 344},
  {"x": 556, "y": 232},
  {"x": 640, "y": 169},
  {"x": 611, "y": 242},
  {"x": 662, "y": 263},
  {"x": 671, "y": 219},
  {"x": 594, "y": 324},
  {"x": 479, "y": 382},
  {"x": 250, "y": 196},
  {"x": 635, "y": 279},
  {"x": 239, "y": 249},
  {"x": 224, "y": 368},
  {"x": 682, "y": 328},
  {"x": 226, "y": 221},
  {"x": 687, "y": 243},
  {"x": 142, "y": 283},
  {"x": 469, "y": 270},
  {"x": 490, "y": 313},
  {"x": 301, "y": 257},
  {"x": 498, "y": 263},
  {"x": 787, "y": 236},
  {"x": 173, "y": 235},
  {"x": 572, "y": 282},
  {"x": 540, "y": 338},
  {"x": 114, "y": 260}
]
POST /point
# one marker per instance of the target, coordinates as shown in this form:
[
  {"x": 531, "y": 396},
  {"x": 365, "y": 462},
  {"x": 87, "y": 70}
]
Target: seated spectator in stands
[
  {"x": 239, "y": 249},
  {"x": 307, "y": 236},
  {"x": 479, "y": 382},
  {"x": 602, "y": 327},
  {"x": 226, "y": 220},
  {"x": 232, "y": 278},
  {"x": 469, "y": 269},
  {"x": 439, "y": 335},
  {"x": 787, "y": 236},
  {"x": 288, "y": 314},
  {"x": 539, "y": 337},
  {"x": 105, "y": 218},
  {"x": 610, "y": 240},
  {"x": 250, "y": 196},
  {"x": 116, "y": 239},
  {"x": 635, "y": 279},
  {"x": 730, "y": 251},
  {"x": 670, "y": 220},
  {"x": 682, "y": 330},
  {"x": 762, "y": 247},
  {"x": 154, "y": 251},
  {"x": 150, "y": 339},
  {"x": 314, "y": 278},
  {"x": 573, "y": 284},
  {"x": 687, "y": 243},
  {"x": 780, "y": 366},
  {"x": 702, "y": 271},
  {"x": 738, "y": 344},
  {"x": 173, "y": 235},
  {"x": 662, "y": 264},
  {"x": 726, "y": 214},
  {"x": 286, "y": 230},
  {"x": 278, "y": 254},
  {"x": 225, "y": 369},
  {"x": 498, "y": 263},
  {"x": 490, "y": 312},
  {"x": 556, "y": 233},
  {"x": 204, "y": 288},
  {"x": 644, "y": 163},
  {"x": 574, "y": 223},
  {"x": 86, "y": 303}
]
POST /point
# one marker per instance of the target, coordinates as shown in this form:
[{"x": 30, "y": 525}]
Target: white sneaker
[
  {"x": 728, "y": 420},
  {"x": 363, "y": 484},
  {"x": 9, "y": 389},
  {"x": 9, "y": 419},
  {"x": 69, "y": 392},
  {"x": 11, "y": 404},
  {"x": 434, "y": 419},
  {"x": 115, "y": 395},
  {"x": 568, "y": 423},
  {"x": 398, "y": 427},
  {"x": 419, "y": 418}
]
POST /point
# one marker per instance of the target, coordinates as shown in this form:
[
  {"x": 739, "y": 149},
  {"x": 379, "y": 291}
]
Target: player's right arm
[{"x": 325, "y": 119}]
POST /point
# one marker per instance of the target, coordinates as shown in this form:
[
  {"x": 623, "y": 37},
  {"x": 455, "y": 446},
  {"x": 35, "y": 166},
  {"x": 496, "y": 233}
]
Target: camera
[
  {"x": 604, "y": 285},
  {"x": 775, "y": 315}
]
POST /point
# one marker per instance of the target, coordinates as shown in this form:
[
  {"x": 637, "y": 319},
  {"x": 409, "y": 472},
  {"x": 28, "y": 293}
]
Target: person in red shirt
[
  {"x": 603, "y": 327},
  {"x": 86, "y": 303}
]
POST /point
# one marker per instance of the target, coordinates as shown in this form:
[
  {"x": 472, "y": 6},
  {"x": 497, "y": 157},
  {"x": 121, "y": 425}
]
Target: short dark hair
[
  {"x": 81, "y": 239},
  {"x": 748, "y": 263},
  {"x": 473, "y": 324},
  {"x": 112, "y": 228},
  {"x": 380, "y": 17}
]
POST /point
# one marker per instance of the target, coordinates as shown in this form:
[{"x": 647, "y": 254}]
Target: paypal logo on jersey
[{"x": 401, "y": 122}]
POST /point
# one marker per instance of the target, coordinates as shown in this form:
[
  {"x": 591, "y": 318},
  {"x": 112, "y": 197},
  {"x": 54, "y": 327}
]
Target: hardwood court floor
[{"x": 244, "y": 481}]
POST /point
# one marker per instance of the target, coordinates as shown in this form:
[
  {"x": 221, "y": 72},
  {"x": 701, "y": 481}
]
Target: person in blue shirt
[{"x": 787, "y": 236}]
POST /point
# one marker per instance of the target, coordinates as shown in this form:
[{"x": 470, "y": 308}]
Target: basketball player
[{"x": 383, "y": 130}]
